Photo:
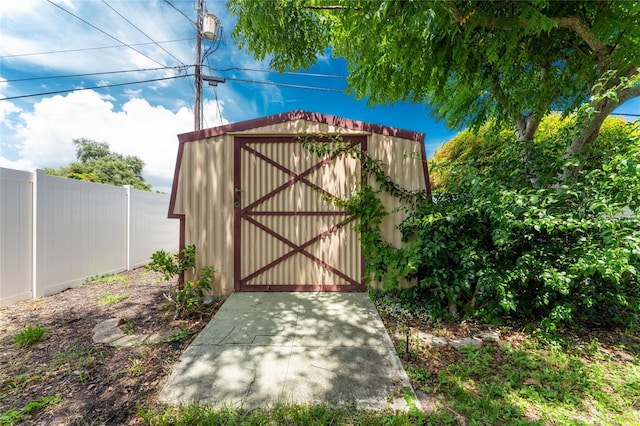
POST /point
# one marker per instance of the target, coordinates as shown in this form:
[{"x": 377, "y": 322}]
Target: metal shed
[{"x": 255, "y": 201}]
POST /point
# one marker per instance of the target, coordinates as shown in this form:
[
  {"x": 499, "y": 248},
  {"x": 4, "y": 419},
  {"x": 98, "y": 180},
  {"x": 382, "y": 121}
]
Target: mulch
[{"x": 96, "y": 383}]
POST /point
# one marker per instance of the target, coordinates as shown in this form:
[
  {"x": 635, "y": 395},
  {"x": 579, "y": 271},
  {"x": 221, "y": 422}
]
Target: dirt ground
[{"x": 96, "y": 382}]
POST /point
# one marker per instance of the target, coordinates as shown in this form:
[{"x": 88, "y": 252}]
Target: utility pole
[{"x": 197, "y": 101}]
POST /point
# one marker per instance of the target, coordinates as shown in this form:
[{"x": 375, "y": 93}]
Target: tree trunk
[
  {"x": 589, "y": 128},
  {"x": 525, "y": 127}
]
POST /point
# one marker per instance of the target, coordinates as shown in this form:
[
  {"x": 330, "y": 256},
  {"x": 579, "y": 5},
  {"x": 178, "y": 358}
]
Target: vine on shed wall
[{"x": 384, "y": 263}]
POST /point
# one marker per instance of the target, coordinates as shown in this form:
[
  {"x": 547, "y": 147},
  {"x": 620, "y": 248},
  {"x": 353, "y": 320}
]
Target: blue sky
[{"x": 41, "y": 39}]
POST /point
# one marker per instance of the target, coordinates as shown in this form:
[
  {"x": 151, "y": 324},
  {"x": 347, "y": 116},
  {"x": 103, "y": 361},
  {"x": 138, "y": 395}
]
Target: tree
[
  {"x": 473, "y": 61},
  {"x": 493, "y": 247},
  {"x": 96, "y": 163}
]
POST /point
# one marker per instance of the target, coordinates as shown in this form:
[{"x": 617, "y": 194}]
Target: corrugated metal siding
[
  {"x": 403, "y": 163},
  {"x": 206, "y": 196}
]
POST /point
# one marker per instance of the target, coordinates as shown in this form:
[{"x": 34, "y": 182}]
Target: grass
[
  {"x": 521, "y": 381},
  {"x": 13, "y": 416},
  {"x": 280, "y": 415},
  {"x": 107, "y": 298},
  {"x": 534, "y": 383},
  {"x": 76, "y": 357},
  {"x": 29, "y": 335},
  {"x": 108, "y": 279}
]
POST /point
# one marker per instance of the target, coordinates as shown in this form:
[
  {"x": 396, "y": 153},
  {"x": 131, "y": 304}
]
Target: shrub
[
  {"x": 505, "y": 242},
  {"x": 186, "y": 300}
]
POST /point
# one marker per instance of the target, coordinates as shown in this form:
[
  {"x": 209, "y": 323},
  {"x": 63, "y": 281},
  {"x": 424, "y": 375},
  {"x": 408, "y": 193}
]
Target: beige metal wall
[
  {"x": 205, "y": 196},
  {"x": 205, "y": 192}
]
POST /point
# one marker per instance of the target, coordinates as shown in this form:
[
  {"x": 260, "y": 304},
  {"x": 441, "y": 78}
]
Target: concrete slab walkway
[{"x": 262, "y": 349}]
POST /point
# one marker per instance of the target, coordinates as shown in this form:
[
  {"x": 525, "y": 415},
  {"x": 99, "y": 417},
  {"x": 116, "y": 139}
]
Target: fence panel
[
  {"x": 57, "y": 232},
  {"x": 81, "y": 232},
  {"x": 149, "y": 228},
  {"x": 16, "y": 231}
]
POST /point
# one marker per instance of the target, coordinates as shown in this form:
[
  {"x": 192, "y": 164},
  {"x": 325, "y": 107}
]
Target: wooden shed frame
[{"x": 208, "y": 198}]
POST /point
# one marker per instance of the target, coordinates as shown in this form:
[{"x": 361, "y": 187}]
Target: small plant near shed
[
  {"x": 29, "y": 335},
  {"x": 185, "y": 301},
  {"x": 171, "y": 265}
]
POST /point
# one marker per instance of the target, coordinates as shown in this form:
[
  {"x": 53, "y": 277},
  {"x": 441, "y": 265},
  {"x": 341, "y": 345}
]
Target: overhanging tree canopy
[{"x": 472, "y": 61}]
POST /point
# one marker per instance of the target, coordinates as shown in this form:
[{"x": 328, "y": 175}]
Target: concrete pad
[{"x": 262, "y": 349}]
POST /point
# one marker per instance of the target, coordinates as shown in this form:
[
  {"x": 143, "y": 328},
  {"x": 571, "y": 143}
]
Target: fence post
[
  {"x": 128, "y": 195},
  {"x": 38, "y": 179}
]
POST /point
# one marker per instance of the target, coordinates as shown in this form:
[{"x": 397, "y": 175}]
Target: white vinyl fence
[{"x": 57, "y": 232}]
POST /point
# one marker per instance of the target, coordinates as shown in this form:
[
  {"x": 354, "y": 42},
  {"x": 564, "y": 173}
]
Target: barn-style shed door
[{"x": 288, "y": 237}]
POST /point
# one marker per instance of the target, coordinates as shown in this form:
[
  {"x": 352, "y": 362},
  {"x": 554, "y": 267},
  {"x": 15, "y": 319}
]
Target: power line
[
  {"x": 91, "y": 48},
  {"x": 307, "y": 74},
  {"x": 623, "y": 114},
  {"x": 142, "y": 32},
  {"x": 295, "y": 86},
  {"x": 94, "y": 74},
  {"x": 95, "y": 87},
  {"x": 181, "y": 12},
  {"x": 104, "y": 32}
]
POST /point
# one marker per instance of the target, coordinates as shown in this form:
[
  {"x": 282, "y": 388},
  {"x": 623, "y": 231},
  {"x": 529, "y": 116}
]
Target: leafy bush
[
  {"x": 171, "y": 265},
  {"x": 185, "y": 300},
  {"x": 512, "y": 239}
]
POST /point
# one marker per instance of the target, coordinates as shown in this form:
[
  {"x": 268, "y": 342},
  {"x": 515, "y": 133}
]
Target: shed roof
[{"x": 301, "y": 115}]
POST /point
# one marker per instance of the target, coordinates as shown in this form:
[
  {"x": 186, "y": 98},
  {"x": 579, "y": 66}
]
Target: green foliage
[
  {"x": 186, "y": 300},
  {"x": 29, "y": 335},
  {"x": 284, "y": 415},
  {"x": 14, "y": 416},
  {"x": 171, "y": 265},
  {"x": 108, "y": 279},
  {"x": 473, "y": 62},
  {"x": 107, "y": 298},
  {"x": 96, "y": 163},
  {"x": 517, "y": 384},
  {"x": 502, "y": 241}
]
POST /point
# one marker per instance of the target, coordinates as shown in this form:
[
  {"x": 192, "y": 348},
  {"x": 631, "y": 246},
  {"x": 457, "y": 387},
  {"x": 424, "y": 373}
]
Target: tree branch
[{"x": 580, "y": 27}]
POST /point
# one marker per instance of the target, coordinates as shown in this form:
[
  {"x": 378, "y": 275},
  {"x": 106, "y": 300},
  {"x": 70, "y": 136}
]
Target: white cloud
[{"x": 150, "y": 132}]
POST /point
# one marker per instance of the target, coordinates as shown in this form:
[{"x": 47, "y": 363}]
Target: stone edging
[{"x": 108, "y": 332}]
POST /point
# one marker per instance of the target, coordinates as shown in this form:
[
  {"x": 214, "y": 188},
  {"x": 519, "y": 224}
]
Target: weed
[
  {"x": 187, "y": 301},
  {"x": 178, "y": 336},
  {"x": 29, "y": 335},
  {"x": 126, "y": 327},
  {"x": 108, "y": 279},
  {"x": 75, "y": 357},
  {"x": 170, "y": 265},
  {"x": 13, "y": 416},
  {"x": 108, "y": 298}
]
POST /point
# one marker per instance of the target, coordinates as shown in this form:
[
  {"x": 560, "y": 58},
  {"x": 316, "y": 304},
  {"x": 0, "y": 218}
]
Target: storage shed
[{"x": 256, "y": 201}]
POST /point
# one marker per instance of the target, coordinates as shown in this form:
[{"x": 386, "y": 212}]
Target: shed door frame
[{"x": 242, "y": 143}]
